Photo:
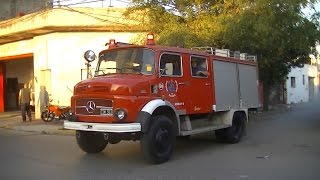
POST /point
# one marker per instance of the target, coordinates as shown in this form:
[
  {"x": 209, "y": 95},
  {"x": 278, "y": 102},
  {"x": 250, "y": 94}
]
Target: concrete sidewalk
[{"x": 12, "y": 120}]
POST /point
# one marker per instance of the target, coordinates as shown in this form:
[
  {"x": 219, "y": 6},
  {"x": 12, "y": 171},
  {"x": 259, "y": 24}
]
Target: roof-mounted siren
[
  {"x": 150, "y": 39},
  {"x": 112, "y": 43}
]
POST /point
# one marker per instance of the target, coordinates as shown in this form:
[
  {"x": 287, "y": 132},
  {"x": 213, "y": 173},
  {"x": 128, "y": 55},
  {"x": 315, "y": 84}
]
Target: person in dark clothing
[
  {"x": 24, "y": 101},
  {"x": 198, "y": 70}
]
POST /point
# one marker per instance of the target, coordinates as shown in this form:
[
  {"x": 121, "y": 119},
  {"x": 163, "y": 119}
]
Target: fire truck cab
[{"x": 154, "y": 93}]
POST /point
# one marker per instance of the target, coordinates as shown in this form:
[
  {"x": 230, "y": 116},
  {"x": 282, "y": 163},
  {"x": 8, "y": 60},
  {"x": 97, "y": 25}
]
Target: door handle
[
  {"x": 184, "y": 83},
  {"x": 207, "y": 84}
]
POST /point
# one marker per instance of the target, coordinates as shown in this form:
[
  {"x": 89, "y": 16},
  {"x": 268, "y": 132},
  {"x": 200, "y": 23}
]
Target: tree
[
  {"x": 278, "y": 33},
  {"x": 275, "y": 30},
  {"x": 193, "y": 22}
]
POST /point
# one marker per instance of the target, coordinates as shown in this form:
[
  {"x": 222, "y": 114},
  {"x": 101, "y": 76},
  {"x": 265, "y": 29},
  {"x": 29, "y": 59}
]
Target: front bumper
[{"x": 103, "y": 127}]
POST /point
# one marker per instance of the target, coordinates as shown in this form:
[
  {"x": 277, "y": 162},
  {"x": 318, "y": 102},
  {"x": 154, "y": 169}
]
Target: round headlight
[
  {"x": 89, "y": 56},
  {"x": 120, "y": 114}
]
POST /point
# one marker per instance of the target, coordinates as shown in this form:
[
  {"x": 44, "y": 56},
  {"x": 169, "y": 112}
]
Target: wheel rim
[
  {"x": 162, "y": 142},
  {"x": 50, "y": 117}
]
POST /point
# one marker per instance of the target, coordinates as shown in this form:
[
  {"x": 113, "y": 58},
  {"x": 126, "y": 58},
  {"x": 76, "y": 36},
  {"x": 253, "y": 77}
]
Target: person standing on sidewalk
[
  {"x": 43, "y": 98},
  {"x": 24, "y": 101}
]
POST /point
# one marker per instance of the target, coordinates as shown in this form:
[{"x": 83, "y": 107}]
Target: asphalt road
[{"x": 277, "y": 147}]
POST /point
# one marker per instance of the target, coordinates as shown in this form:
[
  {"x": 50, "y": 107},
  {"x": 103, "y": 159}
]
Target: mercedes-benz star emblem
[{"x": 90, "y": 107}]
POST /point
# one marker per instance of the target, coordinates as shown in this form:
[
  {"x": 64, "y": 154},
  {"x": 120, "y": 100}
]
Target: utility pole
[{"x": 110, "y": 4}]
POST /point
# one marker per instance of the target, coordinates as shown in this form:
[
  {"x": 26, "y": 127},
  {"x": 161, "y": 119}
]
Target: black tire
[
  {"x": 91, "y": 142},
  {"x": 157, "y": 144},
  {"x": 114, "y": 141},
  {"x": 47, "y": 116},
  {"x": 234, "y": 133},
  {"x": 114, "y": 138}
]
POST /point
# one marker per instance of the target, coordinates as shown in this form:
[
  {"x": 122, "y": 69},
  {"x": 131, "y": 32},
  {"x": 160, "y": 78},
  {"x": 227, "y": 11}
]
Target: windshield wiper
[
  {"x": 97, "y": 71},
  {"x": 102, "y": 70}
]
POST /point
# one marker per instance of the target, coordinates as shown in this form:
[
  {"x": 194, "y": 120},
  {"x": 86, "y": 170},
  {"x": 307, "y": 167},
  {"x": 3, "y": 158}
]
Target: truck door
[
  {"x": 171, "y": 80},
  {"x": 189, "y": 94},
  {"x": 200, "y": 92}
]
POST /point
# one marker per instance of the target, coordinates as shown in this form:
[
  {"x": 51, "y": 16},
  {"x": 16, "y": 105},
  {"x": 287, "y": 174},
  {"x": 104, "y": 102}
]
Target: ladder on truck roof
[{"x": 227, "y": 53}]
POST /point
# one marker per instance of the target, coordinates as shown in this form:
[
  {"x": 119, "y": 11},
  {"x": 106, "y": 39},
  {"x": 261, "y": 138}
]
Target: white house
[{"x": 302, "y": 84}]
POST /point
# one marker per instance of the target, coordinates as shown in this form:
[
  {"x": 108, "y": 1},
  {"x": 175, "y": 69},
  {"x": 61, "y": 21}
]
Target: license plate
[{"x": 106, "y": 112}]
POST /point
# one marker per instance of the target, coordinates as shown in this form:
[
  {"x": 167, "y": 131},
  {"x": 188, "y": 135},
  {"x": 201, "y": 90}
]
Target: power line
[
  {"x": 98, "y": 18},
  {"x": 73, "y": 2},
  {"x": 94, "y": 15},
  {"x": 82, "y": 2}
]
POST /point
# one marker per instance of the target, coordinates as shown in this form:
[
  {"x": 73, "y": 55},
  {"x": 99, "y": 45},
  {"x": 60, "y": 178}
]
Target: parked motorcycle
[{"x": 54, "y": 111}]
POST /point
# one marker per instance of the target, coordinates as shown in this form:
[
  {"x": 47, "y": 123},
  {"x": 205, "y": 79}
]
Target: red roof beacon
[
  {"x": 150, "y": 39},
  {"x": 112, "y": 43}
]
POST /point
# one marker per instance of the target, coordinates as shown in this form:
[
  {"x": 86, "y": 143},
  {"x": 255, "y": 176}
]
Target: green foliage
[{"x": 276, "y": 31}]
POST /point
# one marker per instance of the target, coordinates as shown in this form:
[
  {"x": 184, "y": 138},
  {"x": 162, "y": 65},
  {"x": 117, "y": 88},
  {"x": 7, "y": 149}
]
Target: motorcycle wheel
[{"x": 47, "y": 116}]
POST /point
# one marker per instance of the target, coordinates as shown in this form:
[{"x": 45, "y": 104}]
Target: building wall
[
  {"x": 12, "y": 8},
  {"x": 65, "y": 60},
  {"x": 16, "y": 48},
  {"x": 300, "y": 93}
]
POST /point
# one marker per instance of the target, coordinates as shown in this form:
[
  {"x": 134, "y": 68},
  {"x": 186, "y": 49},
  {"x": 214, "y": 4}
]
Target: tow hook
[{"x": 105, "y": 136}]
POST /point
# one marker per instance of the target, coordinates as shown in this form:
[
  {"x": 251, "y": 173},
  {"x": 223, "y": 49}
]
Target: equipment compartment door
[
  {"x": 226, "y": 85},
  {"x": 248, "y": 86}
]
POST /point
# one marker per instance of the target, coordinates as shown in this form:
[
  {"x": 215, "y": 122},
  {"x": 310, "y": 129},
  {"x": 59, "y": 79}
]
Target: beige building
[{"x": 46, "y": 49}]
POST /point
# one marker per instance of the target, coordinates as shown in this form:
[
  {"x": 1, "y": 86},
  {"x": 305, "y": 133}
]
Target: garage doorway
[{"x": 16, "y": 70}]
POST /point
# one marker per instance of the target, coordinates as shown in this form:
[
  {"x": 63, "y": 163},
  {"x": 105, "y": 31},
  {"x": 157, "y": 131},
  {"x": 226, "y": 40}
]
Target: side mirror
[
  {"x": 162, "y": 72},
  {"x": 89, "y": 56}
]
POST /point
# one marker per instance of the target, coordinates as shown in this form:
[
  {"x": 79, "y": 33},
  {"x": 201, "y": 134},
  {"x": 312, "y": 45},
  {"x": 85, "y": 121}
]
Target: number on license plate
[{"x": 107, "y": 112}]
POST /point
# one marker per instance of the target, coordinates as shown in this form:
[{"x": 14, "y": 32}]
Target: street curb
[{"x": 34, "y": 128}]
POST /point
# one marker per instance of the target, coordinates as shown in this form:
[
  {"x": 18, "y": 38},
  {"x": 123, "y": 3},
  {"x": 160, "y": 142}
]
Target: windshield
[{"x": 131, "y": 60}]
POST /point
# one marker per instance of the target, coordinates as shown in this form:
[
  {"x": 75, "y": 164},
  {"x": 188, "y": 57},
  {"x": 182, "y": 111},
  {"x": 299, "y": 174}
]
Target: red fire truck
[{"x": 154, "y": 93}]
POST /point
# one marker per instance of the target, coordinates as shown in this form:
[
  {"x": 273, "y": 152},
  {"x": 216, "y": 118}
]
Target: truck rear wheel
[
  {"x": 234, "y": 133},
  {"x": 91, "y": 142},
  {"x": 157, "y": 144}
]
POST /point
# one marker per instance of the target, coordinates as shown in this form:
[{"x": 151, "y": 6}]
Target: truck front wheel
[
  {"x": 91, "y": 142},
  {"x": 157, "y": 144},
  {"x": 234, "y": 133}
]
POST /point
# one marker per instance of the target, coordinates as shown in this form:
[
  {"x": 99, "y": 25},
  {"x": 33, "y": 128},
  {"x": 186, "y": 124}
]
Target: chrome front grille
[{"x": 92, "y": 106}]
